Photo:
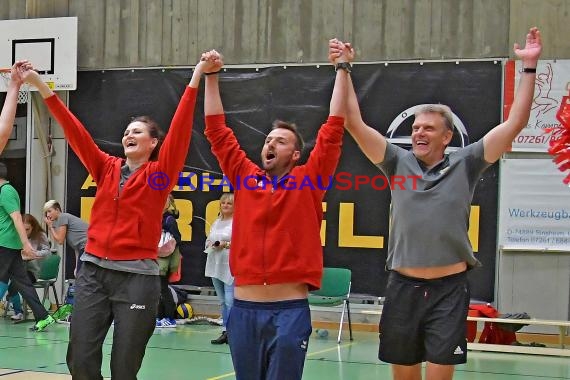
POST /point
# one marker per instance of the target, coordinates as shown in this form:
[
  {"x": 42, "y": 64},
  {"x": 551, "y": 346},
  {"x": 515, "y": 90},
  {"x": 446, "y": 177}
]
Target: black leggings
[{"x": 12, "y": 269}]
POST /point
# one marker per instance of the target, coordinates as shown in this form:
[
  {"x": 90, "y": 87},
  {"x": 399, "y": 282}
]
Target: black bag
[{"x": 179, "y": 295}]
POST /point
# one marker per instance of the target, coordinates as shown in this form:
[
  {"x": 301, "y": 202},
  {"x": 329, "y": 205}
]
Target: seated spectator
[
  {"x": 41, "y": 246},
  {"x": 168, "y": 262}
]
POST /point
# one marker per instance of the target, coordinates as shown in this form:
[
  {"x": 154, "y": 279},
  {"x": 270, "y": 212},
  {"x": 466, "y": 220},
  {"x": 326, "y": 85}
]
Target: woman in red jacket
[{"x": 119, "y": 279}]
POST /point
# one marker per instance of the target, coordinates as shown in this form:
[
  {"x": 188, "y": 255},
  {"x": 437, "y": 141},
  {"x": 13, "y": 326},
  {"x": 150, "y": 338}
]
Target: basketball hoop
[{"x": 24, "y": 93}]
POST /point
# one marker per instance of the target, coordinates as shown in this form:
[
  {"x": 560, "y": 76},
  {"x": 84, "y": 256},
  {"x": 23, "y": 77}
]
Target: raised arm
[
  {"x": 224, "y": 144},
  {"x": 9, "y": 109},
  {"x": 58, "y": 233},
  {"x": 324, "y": 157},
  {"x": 76, "y": 134},
  {"x": 338, "y": 98},
  {"x": 212, "y": 99},
  {"x": 498, "y": 140},
  {"x": 175, "y": 147},
  {"x": 370, "y": 141}
]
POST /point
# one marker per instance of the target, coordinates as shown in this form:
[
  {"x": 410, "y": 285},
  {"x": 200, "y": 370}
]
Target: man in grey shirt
[
  {"x": 68, "y": 228},
  {"x": 427, "y": 296}
]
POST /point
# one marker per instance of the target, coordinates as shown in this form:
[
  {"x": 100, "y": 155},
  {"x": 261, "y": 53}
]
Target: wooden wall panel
[
  {"x": 369, "y": 16},
  {"x": 152, "y": 36},
  {"x": 399, "y": 31},
  {"x": 181, "y": 27},
  {"x": 143, "y": 33},
  {"x": 423, "y": 28},
  {"x": 131, "y": 22},
  {"x": 553, "y": 19},
  {"x": 12, "y": 9},
  {"x": 112, "y": 36},
  {"x": 246, "y": 27},
  {"x": 210, "y": 32},
  {"x": 490, "y": 34},
  {"x": 91, "y": 32},
  {"x": 285, "y": 35},
  {"x": 326, "y": 22},
  {"x": 42, "y": 8}
]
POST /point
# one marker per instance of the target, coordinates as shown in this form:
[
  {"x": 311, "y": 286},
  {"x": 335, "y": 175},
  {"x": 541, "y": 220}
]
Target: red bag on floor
[{"x": 492, "y": 333}]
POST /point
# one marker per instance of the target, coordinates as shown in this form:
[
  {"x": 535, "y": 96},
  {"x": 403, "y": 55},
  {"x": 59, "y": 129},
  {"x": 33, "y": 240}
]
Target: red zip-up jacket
[
  {"x": 276, "y": 229},
  {"x": 126, "y": 225}
]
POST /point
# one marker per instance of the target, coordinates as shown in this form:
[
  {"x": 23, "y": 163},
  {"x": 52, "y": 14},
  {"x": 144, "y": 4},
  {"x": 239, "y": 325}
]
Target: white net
[{"x": 23, "y": 94}]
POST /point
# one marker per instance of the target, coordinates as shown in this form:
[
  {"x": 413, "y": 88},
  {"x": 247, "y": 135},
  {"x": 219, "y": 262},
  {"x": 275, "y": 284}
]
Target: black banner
[{"x": 355, "y": 229}]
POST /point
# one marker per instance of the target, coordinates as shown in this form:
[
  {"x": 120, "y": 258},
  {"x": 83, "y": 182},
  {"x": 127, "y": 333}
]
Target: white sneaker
[{"x": 17, "y": 317}]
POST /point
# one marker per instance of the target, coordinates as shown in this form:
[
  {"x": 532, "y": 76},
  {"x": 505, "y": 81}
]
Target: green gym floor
[{"x": 186, "y": 353}]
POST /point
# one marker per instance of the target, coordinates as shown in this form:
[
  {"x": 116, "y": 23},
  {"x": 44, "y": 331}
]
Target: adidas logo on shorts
[{"x": 458, "y": 351}]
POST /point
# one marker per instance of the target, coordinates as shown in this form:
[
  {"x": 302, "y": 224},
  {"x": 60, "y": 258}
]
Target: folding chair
[
  {"x": 334, "y": 291},
  {"x": 49, "y": 270}
]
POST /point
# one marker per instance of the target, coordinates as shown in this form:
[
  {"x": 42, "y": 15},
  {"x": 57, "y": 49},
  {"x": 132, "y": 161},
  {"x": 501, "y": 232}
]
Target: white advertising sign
[
  {"x": 534, "y": 206},
  {"x": 552, "y": 83}
]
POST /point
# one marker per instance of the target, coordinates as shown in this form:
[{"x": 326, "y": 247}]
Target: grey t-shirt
[
  {"x": 76, "y": 235},
  {"x": 430, "y": 216}
]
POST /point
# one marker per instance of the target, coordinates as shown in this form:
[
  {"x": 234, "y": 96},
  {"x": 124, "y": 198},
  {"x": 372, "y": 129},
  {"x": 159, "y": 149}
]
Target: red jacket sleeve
[
  {"x": 231, "y": 157},
  {"x": 324, "y": 157},
  {"x": 177, "y": 141},
  {"x": 79, "y": 139}
]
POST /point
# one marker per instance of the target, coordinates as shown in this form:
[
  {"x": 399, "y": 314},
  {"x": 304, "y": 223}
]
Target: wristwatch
[
  {"x": 531, "y": 70},
  {"x": 346, "y": 66}
]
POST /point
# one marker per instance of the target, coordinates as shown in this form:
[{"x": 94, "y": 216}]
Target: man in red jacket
[{"x": 276, "y": 256}]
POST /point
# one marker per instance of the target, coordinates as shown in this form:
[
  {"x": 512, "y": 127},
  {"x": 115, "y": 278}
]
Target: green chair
[
  {"x": 334, "y": 291},
  {"x": 49, "y": 270}
]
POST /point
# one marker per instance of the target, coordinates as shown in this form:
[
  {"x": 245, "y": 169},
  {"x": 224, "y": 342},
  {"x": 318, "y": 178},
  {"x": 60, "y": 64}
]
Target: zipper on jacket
[
  {"x": 270, "y": 201},
  {"x": 116, "y": 200},
  {"x": 116, "y": 205},
  {"x": 274, "y": 184}
]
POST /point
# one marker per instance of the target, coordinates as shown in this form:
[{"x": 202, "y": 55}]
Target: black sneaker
[{"x": 222, "y": 339}]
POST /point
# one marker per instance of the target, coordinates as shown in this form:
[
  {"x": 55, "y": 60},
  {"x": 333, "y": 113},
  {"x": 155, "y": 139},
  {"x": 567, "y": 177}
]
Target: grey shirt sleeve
[{"x": 393, "y": 153}]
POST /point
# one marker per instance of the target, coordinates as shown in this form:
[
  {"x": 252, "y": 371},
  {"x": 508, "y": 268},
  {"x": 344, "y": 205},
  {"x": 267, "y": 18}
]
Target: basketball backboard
[{"x": 49, "y": 43}]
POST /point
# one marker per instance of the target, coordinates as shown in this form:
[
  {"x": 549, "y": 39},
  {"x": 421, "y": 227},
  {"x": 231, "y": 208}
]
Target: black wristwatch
[
  {"x": 346, "y": 66},
  {"x": 531, "y": 70}
]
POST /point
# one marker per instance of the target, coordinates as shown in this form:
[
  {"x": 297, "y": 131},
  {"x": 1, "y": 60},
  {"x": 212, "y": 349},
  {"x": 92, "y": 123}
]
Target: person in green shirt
[
  {"x": 13, "y": 240},
  {"x": 14, "y": 246}
]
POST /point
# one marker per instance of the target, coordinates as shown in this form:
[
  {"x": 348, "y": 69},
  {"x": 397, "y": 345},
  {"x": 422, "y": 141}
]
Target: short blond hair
[{"x": 52, "y": 203}]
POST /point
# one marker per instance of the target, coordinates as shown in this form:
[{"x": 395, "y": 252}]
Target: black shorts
[{"x": 424, "y": 320}]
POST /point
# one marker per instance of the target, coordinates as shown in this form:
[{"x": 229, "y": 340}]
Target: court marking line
[
  {"x": 13, "y": 372},
  {"x": 311, "y": 354}
]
